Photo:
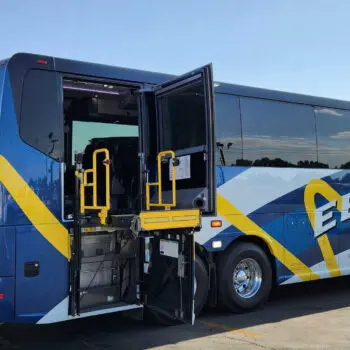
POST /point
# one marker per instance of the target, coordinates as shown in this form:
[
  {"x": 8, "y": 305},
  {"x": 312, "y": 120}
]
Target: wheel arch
[
  {"x": 202, "y": 253},
  {"x": 261, "y": 243}
]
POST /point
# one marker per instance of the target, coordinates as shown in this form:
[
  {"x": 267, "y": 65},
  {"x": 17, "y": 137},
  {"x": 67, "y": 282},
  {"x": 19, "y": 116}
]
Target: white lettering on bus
[
  {"x": 324, "y": 215},
  {"x": 345, "y": 212}
]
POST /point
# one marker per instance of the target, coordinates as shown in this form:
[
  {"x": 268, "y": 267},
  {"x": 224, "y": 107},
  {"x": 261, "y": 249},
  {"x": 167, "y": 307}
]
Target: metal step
[
  {"x": 122, "y": 222},
  {"x": 169, "y": 219}
]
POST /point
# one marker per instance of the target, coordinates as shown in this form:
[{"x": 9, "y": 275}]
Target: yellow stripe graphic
[
  {"x": 328, "y": 256},
  {"x": 321, "y": 187},
  {"x": 36, "y": 211},
  {"x": 247, "y": 226}
]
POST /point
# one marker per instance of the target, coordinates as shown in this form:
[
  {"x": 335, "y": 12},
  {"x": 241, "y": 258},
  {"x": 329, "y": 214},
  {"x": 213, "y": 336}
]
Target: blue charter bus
[{"x": 124, "y": 190}]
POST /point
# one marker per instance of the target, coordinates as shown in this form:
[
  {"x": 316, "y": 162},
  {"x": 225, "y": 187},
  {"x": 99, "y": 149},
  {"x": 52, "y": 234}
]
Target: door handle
[{"x": 31, "y": 268}]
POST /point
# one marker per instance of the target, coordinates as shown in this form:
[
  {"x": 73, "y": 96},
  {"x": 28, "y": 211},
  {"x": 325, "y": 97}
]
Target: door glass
[{"x": 183, "y": 117}]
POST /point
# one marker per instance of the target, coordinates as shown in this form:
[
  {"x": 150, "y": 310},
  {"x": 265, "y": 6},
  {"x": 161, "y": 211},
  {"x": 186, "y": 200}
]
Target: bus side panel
[
  {"x": 38, "y": 289},
  {"x": 40, "y": 172},
  {"x": 7, "y": 299},
  {"x": 35, "y": 296},
  {"x": 7, "y": 243},
  {"x": 7, "y": 251},
  {"x": 281, "y": 206},
  {"x": 7, "y": 273}
]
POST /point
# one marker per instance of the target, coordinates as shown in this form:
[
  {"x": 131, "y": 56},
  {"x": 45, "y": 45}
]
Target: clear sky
[{"x": 293, "y": 45}]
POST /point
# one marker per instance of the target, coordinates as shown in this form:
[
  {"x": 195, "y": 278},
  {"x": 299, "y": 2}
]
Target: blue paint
[
  {"x": 226, "y": 237},
  {"x": 32, "y": 318},
  {"x": 7, "y": 304},
  {"x": 41, "y": 293},
  {"x": 39, "y": 171},
  {"x": 7, "y": 251},
  {"x": 227, "y": 173},
  {"x": 36, "y": 296},
  {"x": 282, "y": 272}
]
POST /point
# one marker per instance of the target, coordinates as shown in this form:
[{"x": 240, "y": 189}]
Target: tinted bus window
[
  {"x": 41, "y": 122},
  {"x": 182, "y": 118},
  {"x": 333, "y": 134},
  {"x": 228, "y": 129},
  {"x": 278, "y": 134}
]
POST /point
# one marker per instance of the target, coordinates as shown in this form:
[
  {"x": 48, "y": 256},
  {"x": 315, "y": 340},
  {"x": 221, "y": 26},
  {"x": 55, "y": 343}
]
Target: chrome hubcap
[{"x": 247, "y": 278}]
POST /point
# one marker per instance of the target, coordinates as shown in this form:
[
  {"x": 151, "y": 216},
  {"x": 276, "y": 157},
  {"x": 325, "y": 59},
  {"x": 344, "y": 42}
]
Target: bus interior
[{"x": 103, "y": 116}]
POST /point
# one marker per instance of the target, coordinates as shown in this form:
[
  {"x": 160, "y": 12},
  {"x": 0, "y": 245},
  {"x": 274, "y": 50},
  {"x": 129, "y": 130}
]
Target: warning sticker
[
  {"x": 183, "y": 170},
  {"x": 169, "y": 248}
]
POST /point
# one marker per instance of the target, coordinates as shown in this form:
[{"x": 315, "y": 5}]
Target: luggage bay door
[
  {"x": 185, "y": 125},
  {"x": 169, "y": 277}
]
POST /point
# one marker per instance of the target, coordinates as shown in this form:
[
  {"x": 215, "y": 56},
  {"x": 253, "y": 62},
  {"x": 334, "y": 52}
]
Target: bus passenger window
[
  {"x": 333, "y": 133},
  {"x": 278, "y": 134},
  {"x": 41, "y": 120},
  {"x": 228, "y": 130}
]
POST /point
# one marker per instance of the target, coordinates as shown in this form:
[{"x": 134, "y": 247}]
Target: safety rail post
[
  {"x": 159, "y": 184},
  {"x": 84, "y": 183}
]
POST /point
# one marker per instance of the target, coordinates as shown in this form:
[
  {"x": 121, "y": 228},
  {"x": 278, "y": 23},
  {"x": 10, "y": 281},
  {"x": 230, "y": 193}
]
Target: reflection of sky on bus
[
  {"x": 83, "y": 132},
  {"x": 333, "y": 130},
  {"x": 282, "y": 130}
]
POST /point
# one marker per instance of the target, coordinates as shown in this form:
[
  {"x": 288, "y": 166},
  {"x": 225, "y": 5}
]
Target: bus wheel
[
  {"x": 245, "y": 278},
  {"x": 201, "y": 285}
]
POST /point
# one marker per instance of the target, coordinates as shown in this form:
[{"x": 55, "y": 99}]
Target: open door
[
  {"x": 177, "y": 116},
  {"x": 185, "y": 119},
  {"x": 181, "y": 119}
]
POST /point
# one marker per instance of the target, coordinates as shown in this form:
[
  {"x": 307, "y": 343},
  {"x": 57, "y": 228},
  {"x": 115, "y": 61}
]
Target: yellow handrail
[
  {"x": 84, "y": 183},
  {"x": 160, "y": 203}
]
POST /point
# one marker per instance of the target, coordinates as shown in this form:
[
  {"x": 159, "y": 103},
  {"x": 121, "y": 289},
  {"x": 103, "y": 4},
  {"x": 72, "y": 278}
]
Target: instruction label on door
[
  {"x": 169, "y": 248},
  {"x": 183, "y": 170}
]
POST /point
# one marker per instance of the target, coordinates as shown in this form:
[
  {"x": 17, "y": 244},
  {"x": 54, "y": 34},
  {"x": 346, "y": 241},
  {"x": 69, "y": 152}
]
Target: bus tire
[
  {"x": 201, "y": 285},
  {"x": 245, "y": 278}
]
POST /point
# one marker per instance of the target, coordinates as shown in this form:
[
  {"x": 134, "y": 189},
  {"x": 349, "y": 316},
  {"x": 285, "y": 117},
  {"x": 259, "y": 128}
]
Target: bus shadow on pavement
[{"x": 114, "y": 331}]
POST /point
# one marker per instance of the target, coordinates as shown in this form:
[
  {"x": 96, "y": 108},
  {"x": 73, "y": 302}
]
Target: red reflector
[
  {"x": 41, "y": 62},
  {"x": 1, "y": 296}
]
